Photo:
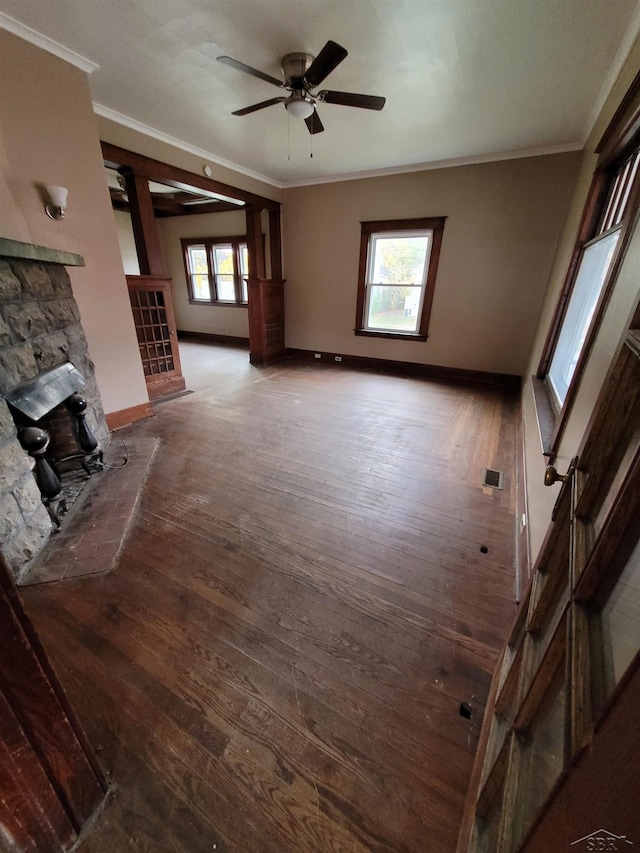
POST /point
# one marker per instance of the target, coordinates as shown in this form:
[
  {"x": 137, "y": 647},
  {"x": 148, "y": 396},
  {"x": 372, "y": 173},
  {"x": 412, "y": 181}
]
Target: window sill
[
  {"x": 398, "y": 336},
  {"x": 218, "y": 304},
  {"x": 545, "y": 415}
]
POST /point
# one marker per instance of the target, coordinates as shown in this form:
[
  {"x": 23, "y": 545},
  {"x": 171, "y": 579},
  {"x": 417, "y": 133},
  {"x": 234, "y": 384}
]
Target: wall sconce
[{"x": 58, "y": 201}]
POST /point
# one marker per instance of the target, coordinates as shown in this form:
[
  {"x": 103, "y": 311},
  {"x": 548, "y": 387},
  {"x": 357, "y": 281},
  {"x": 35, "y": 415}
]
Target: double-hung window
[
  {"x": 398, "y": 266},
  {"x": 216, "y": 270}
]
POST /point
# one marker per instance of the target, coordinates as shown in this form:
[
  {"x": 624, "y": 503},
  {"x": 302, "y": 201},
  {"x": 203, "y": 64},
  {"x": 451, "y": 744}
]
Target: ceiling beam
[
  {"x": 117, "y": 158},
  {"x": 168, "y": 206},
  {"x": 191, "y": 209}
]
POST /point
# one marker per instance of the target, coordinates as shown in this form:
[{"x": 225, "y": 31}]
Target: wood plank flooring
[{"x": 302, "y": 604}]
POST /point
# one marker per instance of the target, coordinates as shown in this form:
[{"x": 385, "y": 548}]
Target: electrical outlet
[
  {"x": 338, "y": 358},
  {"x": 317, "y": 355}
]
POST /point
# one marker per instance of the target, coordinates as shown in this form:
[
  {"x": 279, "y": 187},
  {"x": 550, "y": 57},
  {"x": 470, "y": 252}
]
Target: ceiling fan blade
[
  {"x": 313, "y": 123},
  {"x": 240, "y": 66},
  {"x": 351, "y": 99},
  {"x": 260, "y": 106},
  {"x": 329, "y": 58}
]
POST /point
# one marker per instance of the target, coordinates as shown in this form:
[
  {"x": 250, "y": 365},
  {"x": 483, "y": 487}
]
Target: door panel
[
  {"x": 50, "y": 781},
  {"x": 565, "y": 676},
  {"x": 621, "y": 624}
]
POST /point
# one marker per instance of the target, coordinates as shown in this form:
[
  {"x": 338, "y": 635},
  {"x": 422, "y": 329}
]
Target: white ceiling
[{"x": 464, "y": 79}]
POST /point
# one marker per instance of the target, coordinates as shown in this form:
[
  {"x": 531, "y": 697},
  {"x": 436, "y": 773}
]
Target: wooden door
[
  {"x": 157, "y": 335},
  {"x": 559, "y": 765}
]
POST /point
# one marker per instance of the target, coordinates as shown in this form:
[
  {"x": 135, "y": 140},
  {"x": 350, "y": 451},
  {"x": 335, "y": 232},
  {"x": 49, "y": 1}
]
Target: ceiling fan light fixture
[
  {"x": 302, "y": 73},
  {"x": 299, "y": 107}
]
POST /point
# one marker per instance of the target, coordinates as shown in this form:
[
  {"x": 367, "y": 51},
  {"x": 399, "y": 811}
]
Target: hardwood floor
[{"x": 278, "y": 662}]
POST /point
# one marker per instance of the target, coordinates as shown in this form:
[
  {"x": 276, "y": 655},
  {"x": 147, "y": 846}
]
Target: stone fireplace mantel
[
  {"x": 32, "y": 252},
  {"x": 40, "y": 329}
]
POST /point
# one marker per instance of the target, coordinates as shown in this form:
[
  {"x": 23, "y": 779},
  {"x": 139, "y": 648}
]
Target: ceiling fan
[{"x": 302, "y": 73}]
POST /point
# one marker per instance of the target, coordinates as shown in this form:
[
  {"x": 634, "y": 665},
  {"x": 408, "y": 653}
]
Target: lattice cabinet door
[{"x": 156, "y": 330}]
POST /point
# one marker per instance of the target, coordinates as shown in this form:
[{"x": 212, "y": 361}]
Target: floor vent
[{"x": 493, "y": 479}]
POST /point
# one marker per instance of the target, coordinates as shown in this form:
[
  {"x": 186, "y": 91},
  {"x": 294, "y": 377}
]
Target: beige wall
[
  {"x": 541, "y": 498},
  {"x": 48, "y": 136},
  {"x": 213, "y": 319},
  {"x": 503, "y": 223},
  {"x": 127, "y": 242}
]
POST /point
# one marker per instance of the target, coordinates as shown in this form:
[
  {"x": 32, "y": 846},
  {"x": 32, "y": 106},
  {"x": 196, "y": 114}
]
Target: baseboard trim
[
  {"x": 210, "y": 338},
  {"x": 406, "y": 368},
  {"x": 124, "y": 417},
  {"x": 263, "y": 359},
  {"x": 523, "y": 543}
]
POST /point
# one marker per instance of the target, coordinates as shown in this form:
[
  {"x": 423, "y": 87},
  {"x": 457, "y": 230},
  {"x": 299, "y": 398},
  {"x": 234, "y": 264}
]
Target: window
[
  {"x": 217, "y": 270},
  {"x": 606, "y": 223},
  {"x": 591, "y": 275},
  {"x": 396, "y": 280}
]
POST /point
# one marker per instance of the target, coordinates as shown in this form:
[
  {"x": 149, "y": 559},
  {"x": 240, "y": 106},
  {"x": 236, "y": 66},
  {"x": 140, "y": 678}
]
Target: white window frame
[
  {"x": 370, "y": 284},
  {"x": 433, "y": 227}
]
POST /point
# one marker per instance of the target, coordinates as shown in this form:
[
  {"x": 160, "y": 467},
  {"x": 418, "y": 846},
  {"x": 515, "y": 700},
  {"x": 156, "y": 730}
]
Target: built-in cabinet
[{"x": 153, "y": 316}]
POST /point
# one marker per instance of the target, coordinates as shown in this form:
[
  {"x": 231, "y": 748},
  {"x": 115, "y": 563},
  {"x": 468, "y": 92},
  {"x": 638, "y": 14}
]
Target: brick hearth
[{"x": 91, "y": 537}]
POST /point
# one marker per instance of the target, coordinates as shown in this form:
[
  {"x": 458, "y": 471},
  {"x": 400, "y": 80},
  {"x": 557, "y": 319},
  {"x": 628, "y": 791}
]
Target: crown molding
[
  {"x": 44, "y": 42},
  {"x": 441, "y": 164},
  {"x": 134, "y": 124},
  {"x": 611, "y": 76},
  {"x": 147, "y": 130}
]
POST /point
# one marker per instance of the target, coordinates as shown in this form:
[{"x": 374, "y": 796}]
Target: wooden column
[
  {"x": 145, "y": 230},
  {"x": 266, "y": 296},
  {"x": 50, "y": 782},
  {"x": 255, "y": 244},
  {"x": 275, "y": 245}
]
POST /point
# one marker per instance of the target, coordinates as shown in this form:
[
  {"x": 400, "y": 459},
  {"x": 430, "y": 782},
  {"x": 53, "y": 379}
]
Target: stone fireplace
[{"x": 40, "y": 329}]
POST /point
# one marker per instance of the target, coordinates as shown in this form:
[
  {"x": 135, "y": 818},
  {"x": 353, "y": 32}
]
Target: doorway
[{"x": 149, "y": 191}]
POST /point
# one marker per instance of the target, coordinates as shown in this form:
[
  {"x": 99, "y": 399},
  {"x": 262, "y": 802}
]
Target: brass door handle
[{"x": 551, "y": 476}]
